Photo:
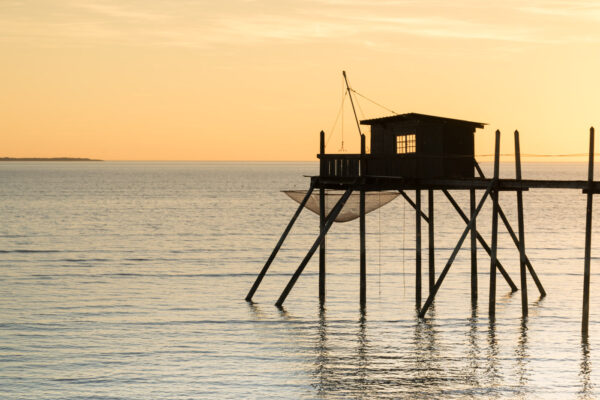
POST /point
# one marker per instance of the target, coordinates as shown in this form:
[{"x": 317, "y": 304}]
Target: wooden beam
[
  {"x": 328, "y": 222},
  {"x": 265, "y": 268},
  {"x": 512, "y": 234},
  {"x": 588, "y": 243},
  {"x": 418, "y": 250},
  {"x": 521, "y": 223},
  {"x": 474, "y": 235},
  {"x": 322, "y": 215},
  {"x": 431, "y": 246},
  {"x": 363, "y": 246},
  {"x": 322, "y": 247},
  {"x": 444, "y": 272},
  {"x": 413, "y": 205},
  {"x": 481, "y": 240},
  {"x": 492, "y": 302}
]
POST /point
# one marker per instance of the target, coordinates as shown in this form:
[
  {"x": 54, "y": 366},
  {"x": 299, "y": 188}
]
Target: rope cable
[
  {"x": 374, "y": 102},
  {"x": 336, "y": 118}
]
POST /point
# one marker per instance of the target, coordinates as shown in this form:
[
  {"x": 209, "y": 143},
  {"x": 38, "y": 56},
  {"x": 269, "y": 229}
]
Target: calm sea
[{"x": 126, "y": 280}]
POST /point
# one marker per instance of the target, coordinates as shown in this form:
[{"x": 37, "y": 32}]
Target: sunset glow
[{"x": 258, "y": 80}]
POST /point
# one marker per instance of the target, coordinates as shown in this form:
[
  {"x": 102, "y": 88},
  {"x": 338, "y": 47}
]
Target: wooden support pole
[
  {"x": 444, "y": 272},
  {"x": 481, "y": 240},
  {"x": 328, "y": 222},
  {"x": 474, "y": 235},
  {"x": 431, "y": 245},
  {"x": 322, "y": 247},
  {"x": 264, "y": 270},
  {"x": 521, "y": 224},
  {"x": 515, "y": 239},
  {"x": 588, "y": 241},
  {"x": 492, "y": 302},
  {"x": 363, "y": 247},
  {"x": 418, "y": 250}
]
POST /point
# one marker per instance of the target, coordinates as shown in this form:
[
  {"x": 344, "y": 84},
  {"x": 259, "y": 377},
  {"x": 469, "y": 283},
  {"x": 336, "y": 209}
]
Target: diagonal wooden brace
[
  {"x": 328, "y": 222},
  {"x": 516, "y": 241},
  {"x": 264, "y": 270},
  {"x": 482, "y": 241},
  {"x": 414, "y": 205},
  {"x": 438, "y": 283}
]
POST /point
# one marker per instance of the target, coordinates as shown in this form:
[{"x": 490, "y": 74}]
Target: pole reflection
[
  {"x": 585, "y": 371},
  {"x": 322, "y": 363},
  {"x": 492, "y": 372},
  {"x": 473, "y": 368},
  {"x": 522, "y": 359}
]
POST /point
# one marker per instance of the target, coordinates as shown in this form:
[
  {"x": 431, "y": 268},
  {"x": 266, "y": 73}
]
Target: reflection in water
[
  {"x": 522, "y": 358},
  {"x": 422, "y": 366},
  {"x": 473, "y": 352},
  {"x": 362, "y": 375},
  {"x": 492, "y": 372},
  {"x": 427, "y": 371},
  {"x": 586, "y": 371},
  {"x": 322, "y": 366}
]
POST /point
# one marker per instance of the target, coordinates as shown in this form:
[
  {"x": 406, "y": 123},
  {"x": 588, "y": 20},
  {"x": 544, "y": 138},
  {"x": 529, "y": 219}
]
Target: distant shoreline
[{"x": 47, "y": 159}]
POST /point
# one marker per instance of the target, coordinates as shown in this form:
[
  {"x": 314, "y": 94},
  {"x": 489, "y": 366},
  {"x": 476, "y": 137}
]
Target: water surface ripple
[{"x": 126, "y": 280}]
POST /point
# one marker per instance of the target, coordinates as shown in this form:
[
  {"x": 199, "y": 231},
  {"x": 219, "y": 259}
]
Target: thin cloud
[{"x": 200, "y": 24}]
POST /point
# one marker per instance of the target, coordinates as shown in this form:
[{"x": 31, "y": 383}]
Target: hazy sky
[{"x": 257, "y": 80}]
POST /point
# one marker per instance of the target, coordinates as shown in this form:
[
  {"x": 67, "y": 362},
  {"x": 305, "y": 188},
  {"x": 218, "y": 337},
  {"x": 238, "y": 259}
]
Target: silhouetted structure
[
  {"x": 412, "y": 146},
  {"x": 422, "y": 152}
]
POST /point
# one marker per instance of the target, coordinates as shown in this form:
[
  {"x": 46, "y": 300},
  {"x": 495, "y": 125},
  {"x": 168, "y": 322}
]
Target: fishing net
[{"x": 373, "y": 200}]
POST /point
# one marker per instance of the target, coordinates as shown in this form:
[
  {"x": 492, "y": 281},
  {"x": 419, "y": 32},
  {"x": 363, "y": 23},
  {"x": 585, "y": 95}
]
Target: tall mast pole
[{"x": 351, "y": 101}]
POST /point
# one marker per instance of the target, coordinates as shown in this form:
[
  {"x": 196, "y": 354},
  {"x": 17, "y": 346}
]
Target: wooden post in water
[
  {"x": 521, "y": 223},
  {"x": 431, "y": 246},
  {"x": 473, "y": 250},
  {"x": 588, "y": 240},
  {"x": 321, "y": 228},
  {"x": 492, "y": 302},
  {"x": 418, "y": 250},
  {"x": 363, "y": 247}
]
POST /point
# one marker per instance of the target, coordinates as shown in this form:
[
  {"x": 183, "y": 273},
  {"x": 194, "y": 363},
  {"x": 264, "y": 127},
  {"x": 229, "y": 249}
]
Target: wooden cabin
[{"x": 411, "y": 146}]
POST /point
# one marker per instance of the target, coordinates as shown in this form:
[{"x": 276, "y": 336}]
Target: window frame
[{"x": 406, "y": 143}]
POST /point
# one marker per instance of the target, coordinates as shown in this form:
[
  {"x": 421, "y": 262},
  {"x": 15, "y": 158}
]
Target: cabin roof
[{"x": 420, "y": 117}]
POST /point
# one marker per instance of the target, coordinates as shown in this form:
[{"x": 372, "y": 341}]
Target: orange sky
[{"x": 257, "y": 80}]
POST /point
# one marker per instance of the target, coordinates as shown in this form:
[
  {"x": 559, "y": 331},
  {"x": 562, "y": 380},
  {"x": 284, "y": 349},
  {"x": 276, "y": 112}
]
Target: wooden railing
[
  {"x": 340, "y": 165},
  {"x": 407, "y": 165}
]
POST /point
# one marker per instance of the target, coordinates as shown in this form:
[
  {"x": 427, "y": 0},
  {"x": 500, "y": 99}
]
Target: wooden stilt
[
  {"x": 363, "y": 251},
  {"x": 328, "y": 222},
  {"x": 588, "y": 241},
  {"x": 512, "y": 234},
  {"x": 418, "y": 250},
  {"x": 322, "y": 215},
  {"x": 492, "y": 302},
  {"x": 431, "y": 245},
  {"x": 444, "y": 272},
  {"x": 473, "y": 250},
  {"x": 521, "y": 223},
  {"x": 264, "y": 270},
  {"x": 481, "y": 240}
]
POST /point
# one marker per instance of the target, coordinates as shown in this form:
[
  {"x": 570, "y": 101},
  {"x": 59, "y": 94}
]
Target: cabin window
[{"x": 406, "y": 144}]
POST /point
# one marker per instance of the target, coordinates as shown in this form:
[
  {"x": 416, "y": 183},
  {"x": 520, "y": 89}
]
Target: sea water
[{"x": 126, "y": 280}]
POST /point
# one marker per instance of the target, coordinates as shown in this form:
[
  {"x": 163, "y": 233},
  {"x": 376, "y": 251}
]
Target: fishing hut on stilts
[{"x": 418, "y": 152}]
